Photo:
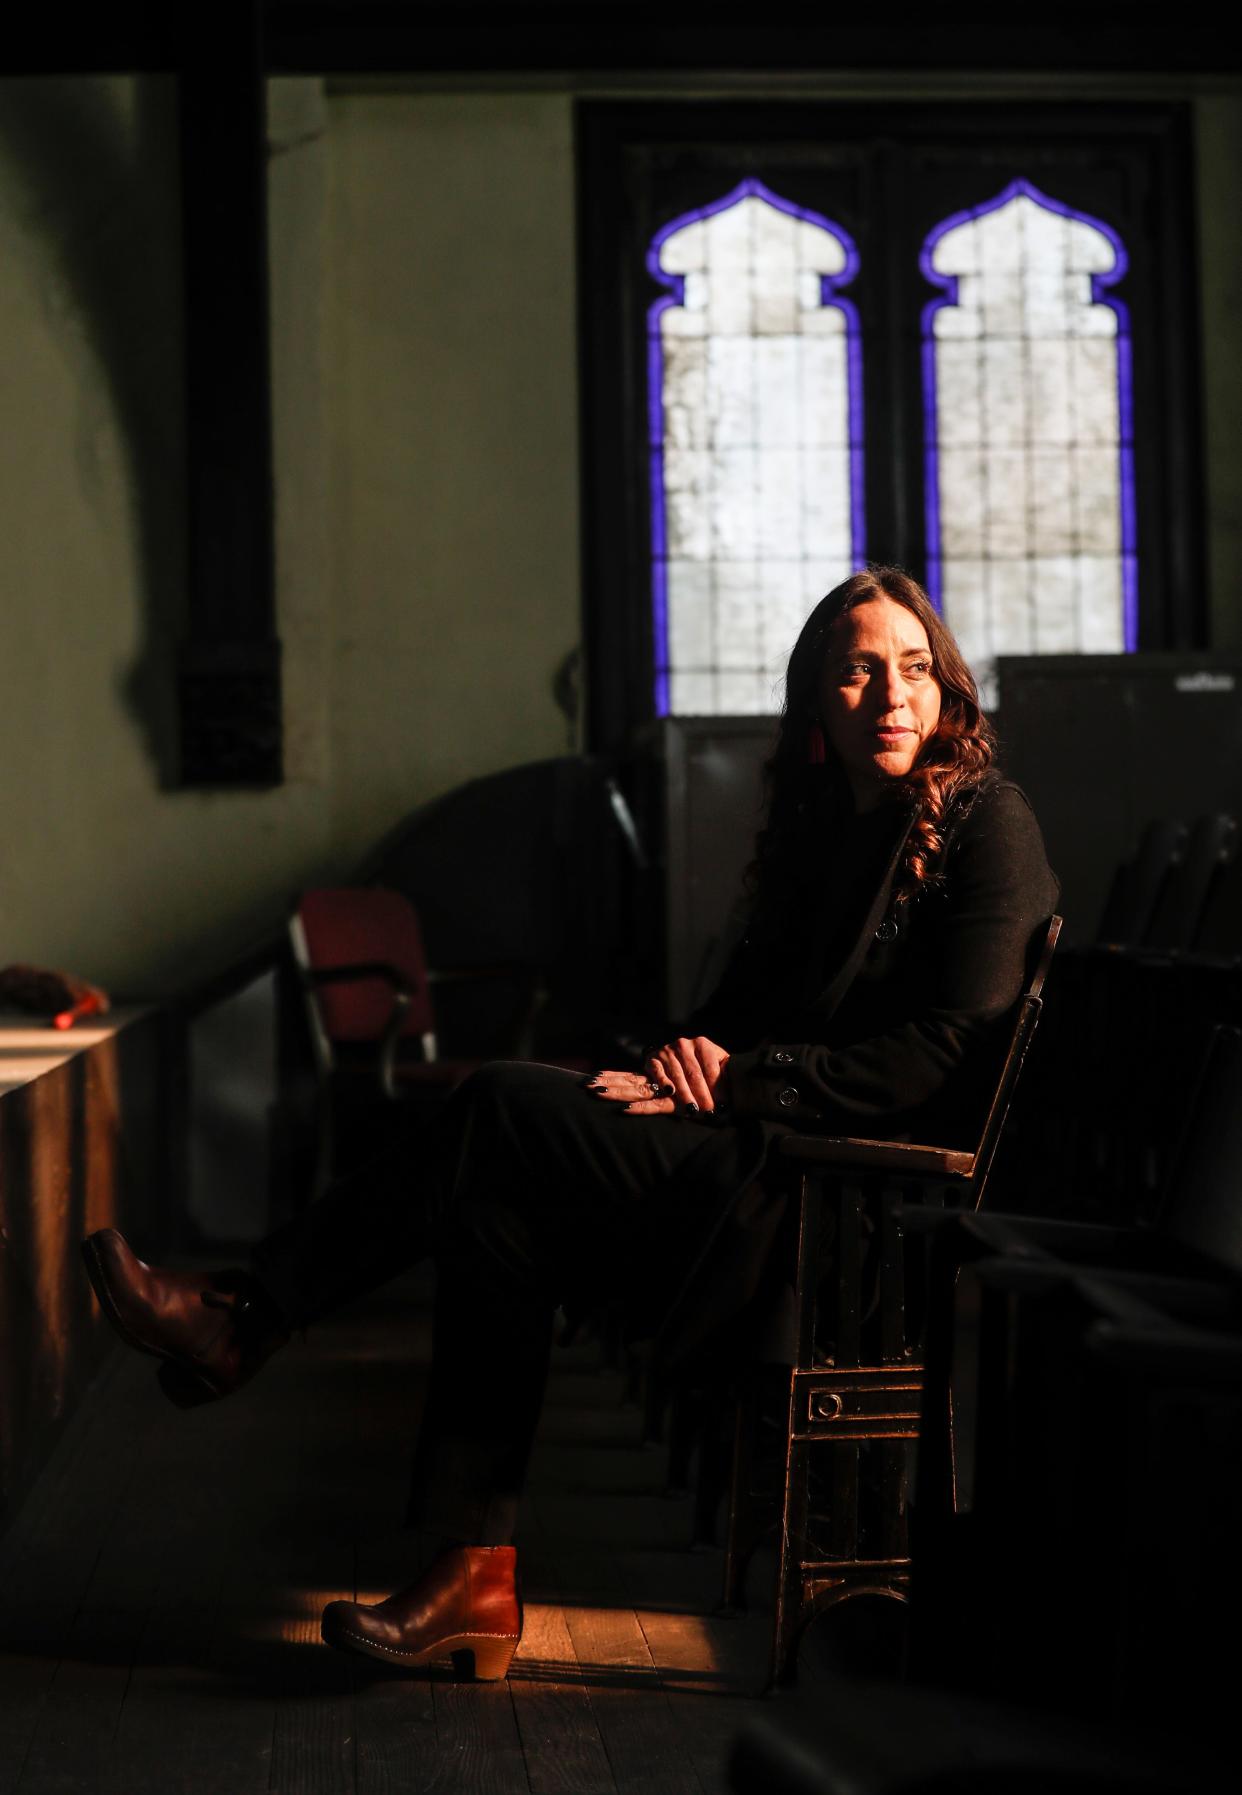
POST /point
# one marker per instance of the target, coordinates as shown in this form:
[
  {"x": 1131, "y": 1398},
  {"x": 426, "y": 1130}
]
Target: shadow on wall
[{"x": 95, "y": 164}]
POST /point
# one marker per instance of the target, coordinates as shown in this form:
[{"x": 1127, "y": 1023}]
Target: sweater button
[
  {"x": 782, "y": 1058},
  {"x": 788, "y": 1097}
]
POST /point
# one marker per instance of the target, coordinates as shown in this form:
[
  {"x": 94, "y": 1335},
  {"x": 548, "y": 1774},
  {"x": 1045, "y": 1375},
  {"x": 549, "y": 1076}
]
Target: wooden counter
[{"x": 84, "y": 1144}]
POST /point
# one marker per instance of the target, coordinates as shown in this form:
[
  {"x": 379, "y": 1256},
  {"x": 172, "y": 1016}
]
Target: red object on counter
[{"x": 91, "y": 1005}]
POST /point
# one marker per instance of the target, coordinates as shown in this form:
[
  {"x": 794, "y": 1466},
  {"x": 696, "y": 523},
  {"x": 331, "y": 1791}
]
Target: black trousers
[{"x": 528, "y": 1192}]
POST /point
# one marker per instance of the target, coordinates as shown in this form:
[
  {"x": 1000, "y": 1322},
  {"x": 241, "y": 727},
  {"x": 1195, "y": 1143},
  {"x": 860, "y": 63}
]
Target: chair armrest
[
  {"x": 402, "y": 990},
  {"x": 402, "y": 986},
  {"x": 857, "y": 1154}
]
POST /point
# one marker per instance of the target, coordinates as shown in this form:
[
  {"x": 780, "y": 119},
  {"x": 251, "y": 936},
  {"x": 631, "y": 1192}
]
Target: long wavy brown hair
[{"x": 805, "y": 797}]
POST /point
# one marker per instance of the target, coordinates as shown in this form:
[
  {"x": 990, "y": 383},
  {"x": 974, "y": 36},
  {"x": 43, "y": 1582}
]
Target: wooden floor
[{"x": 160, "y": 1595}]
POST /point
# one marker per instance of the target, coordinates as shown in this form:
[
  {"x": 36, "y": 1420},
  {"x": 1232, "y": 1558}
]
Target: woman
[{"x": 898, "y": 884}]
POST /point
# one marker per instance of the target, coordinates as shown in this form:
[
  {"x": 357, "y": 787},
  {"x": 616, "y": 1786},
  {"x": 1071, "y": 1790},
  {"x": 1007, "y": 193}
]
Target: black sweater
[{"x": 845, "y": 1013}]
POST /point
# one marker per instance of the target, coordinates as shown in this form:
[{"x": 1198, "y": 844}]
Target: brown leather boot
[
  {"x": 465, "y": 1607},
  {"x": 213, "y": 1330}
]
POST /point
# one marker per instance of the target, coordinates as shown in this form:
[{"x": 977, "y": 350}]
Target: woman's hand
[
  {"x": 641, "y": 1095},
  {"x": 695, "y": 1067},
  {"x": 684, "y": 1075}
]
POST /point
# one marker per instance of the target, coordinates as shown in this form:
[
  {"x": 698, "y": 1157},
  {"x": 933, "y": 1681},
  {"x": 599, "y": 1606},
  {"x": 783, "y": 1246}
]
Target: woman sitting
[{"x": 899, "y": 883}]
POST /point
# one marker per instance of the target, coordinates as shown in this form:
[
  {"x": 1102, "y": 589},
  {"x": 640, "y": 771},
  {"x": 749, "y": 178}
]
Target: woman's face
[{"x": 878, "y": 696}]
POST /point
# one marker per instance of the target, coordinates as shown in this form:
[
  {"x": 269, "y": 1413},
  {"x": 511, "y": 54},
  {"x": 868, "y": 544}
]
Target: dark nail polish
[{"x": 692, "y": 1109}]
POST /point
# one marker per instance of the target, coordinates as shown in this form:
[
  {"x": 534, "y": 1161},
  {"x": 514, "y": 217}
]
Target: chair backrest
[
  {"x": 1026, "y": 1019},
  {"x": 1174, "y": 921},
  {"x": 1219, "y": 932},
  {"x": 1137, "y": 885},
  {"x": 1202, "y": 1207},
  {"x": 357, "y": 926}
]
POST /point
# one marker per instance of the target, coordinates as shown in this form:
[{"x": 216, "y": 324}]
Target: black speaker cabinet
[{"x": 1103, "y": 743}]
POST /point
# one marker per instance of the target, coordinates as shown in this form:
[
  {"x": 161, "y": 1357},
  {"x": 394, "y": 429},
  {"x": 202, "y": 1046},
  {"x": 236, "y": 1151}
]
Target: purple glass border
[
  {"x": 676, "y": 283},
  {"x": 1125, "y": 389}
]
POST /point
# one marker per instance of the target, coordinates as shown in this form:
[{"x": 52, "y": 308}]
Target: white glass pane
[
  {"x": 1047, "y": 302},
  {"x": 1009, "y": 504},
  {"x": 680, "y": 321},
  {"x": 1013, "y": 607},
  {"x": 692, "y": 694},
  {"x": 738, "y": 622},
  {"x": 966, "y": 608},
  {"x": 686, "y": 491},
  {"x": 1094, "y": 473},
  {"x": 1099, "y": 604},
  {"x": 829, "y": 322},
  {"x": 785, "y": 591},
  {"x": 1093, "y": 372},
  {"x": 778, "y": 393},
  {"x": 961, "y": 320},
  {"x": 685, "y": 249},
  {"x": 730, "y": 302},
  {"x": 815, "y": 248},
  {"x": 1092, "y": 320},
  {"x": 825, "y": 503},
  {"x": 685, "y": 394},
  {"x": 1026, "y": 369},
  {"x": 689, "y": 591},
  {"x": 1001, "y": 300},
  {"x": 1053, "y": 511},
  {"x": 779, "y": 522},
  {"x": 756, "y": 458},
  {"x": 1057, "y": 626},
  {"x": 959, "y": 393},
  {"x": 824, "y": 383},
  {"x": 775, "y": 269},
  {"x": 731, "y": 395},
  {"x": 1006, "y": 380},
  {"x": 734, "y": 506},
  {"x": 963, "y": 495},
  {"x": 741, "y": 695},
  {"x": 1054, "y": 401}
]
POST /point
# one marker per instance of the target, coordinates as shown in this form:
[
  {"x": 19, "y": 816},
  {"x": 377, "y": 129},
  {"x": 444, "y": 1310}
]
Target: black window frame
[{"x": 888, "y": 171}]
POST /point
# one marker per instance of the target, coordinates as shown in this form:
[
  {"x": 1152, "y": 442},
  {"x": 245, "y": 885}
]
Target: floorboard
[{"x": 160, "y": 1594}]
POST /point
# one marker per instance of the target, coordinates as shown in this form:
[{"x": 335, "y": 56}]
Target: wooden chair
[{"x": 855, "y": 1386}]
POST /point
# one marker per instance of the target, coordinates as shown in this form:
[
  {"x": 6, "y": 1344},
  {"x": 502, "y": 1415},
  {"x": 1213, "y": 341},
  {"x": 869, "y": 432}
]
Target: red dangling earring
[{"x": 816, "y": 747}]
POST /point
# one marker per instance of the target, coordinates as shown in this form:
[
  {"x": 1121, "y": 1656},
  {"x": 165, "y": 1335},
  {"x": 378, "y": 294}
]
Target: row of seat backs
[{"x": 1180, "y": 892}]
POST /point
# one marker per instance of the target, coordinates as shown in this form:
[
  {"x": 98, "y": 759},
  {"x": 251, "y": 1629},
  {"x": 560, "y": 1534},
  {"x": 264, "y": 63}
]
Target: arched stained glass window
[
  {"x": 1029, "y": 446},
  {"x": 755, "y": 443}
]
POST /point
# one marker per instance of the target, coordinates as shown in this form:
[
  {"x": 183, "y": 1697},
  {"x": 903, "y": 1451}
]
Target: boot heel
[{"x": 487, "y": 1660}]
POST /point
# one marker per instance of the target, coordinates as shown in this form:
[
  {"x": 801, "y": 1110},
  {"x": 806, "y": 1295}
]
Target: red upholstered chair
[{"x": 360, "y": 960}]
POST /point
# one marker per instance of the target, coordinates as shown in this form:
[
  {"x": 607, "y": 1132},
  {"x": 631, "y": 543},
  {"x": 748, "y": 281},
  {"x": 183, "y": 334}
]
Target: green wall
[
  {"x": 424, "y": 372},
  {"x": 426, "y": 499},
  {"x": 453, "y": 442}
]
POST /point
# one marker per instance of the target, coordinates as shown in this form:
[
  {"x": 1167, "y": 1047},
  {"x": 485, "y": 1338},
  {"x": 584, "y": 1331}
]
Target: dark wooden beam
[
  {"x": 377, "y": 36},
  {"x": 230, "y": 668},
  {"x": 403, "y": 36}
]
